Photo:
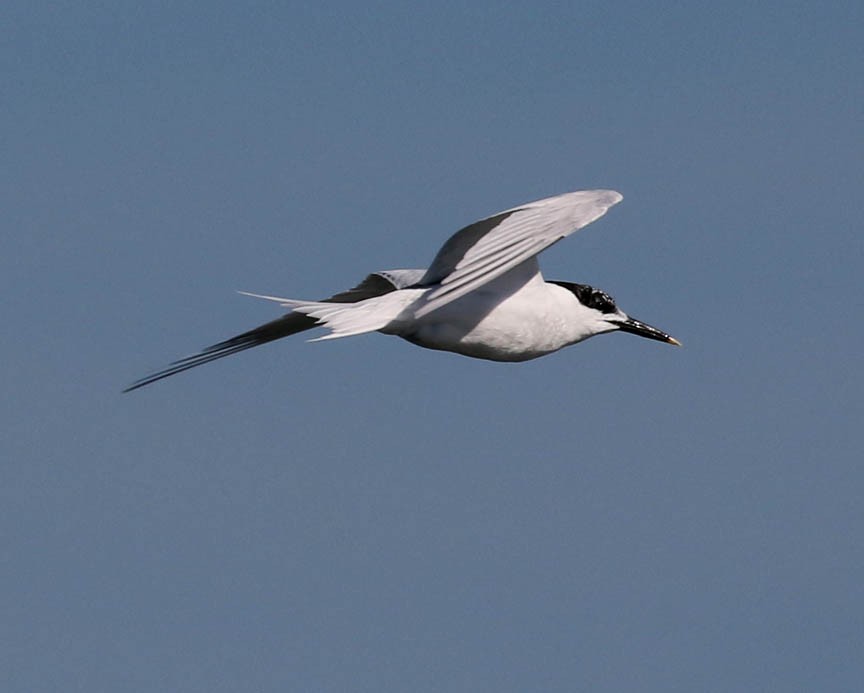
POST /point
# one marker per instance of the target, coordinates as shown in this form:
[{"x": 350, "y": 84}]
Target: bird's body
[
  {"x": 483, "y": 296},
  {"x": 538, "y": 319}
]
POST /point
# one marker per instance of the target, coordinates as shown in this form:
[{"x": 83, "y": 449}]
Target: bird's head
[{"x": 605, "y": 316}]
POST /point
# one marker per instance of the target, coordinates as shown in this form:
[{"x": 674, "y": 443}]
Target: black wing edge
[{"x": 291, "y": 323}]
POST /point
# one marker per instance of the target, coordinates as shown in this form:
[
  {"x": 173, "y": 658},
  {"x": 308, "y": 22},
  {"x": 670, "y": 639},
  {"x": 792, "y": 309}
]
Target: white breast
[{"x": 534, "y": 321}]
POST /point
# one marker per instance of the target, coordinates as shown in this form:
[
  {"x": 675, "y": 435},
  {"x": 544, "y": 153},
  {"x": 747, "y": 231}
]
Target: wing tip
[
  {"x": 614, "y": 196},
  {"x": 605, "y": 197}
]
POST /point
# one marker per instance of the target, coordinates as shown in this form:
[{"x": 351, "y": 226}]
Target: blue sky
[{"x": 363, "y": 515}]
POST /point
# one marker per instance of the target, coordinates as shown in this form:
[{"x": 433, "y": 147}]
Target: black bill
[{"x": 640, "y": 328}]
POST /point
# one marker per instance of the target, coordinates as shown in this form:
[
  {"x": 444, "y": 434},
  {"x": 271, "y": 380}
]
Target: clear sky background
[{"x": 364, "y": 515}]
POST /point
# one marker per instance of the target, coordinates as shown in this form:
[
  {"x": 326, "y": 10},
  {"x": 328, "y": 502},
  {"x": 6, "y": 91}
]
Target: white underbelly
[{"x": 482, "y": 326}]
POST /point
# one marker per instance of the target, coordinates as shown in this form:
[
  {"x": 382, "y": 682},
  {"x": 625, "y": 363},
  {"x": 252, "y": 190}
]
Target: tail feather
[
  {"x": 376, "y": 284},
  {"x": 289, "y": 324},
  {"x": 348, "y": 319}
]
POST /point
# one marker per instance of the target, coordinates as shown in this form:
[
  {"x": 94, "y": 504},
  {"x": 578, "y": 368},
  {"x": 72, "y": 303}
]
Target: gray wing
[
  {"x": 491, "y": 247},
  {"x": 376, "y": 284}
]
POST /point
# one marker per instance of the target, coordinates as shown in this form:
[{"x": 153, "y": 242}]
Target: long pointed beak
[{"x": 640, "y": 328}]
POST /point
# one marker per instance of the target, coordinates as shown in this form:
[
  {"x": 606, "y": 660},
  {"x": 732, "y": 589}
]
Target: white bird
[{"x": 483, "y": 295}]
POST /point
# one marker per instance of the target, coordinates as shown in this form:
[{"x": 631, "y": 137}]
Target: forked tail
[{"x": 348, "y": 319}]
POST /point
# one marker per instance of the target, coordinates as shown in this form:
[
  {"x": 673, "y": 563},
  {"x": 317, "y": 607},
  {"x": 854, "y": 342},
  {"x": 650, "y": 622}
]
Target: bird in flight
[{"x": 483, "y": 296}]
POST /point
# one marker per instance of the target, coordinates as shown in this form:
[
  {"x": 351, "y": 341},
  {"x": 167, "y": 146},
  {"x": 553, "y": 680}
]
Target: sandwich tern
[{"x": 483, "y": 296}]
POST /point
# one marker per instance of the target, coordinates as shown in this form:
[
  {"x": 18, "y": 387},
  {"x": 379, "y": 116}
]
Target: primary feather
[{"x": 488, "y": 248}]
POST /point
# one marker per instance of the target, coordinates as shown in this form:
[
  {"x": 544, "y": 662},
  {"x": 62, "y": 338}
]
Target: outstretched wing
[
  {"x": 488, "y": 248},
  {"x": 376, "y": 284}
]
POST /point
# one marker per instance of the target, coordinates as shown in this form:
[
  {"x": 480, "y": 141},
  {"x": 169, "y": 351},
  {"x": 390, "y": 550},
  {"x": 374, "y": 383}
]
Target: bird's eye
[
  {"x": 603, "y": 302},
  {"x": 591, "y": 297}
]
